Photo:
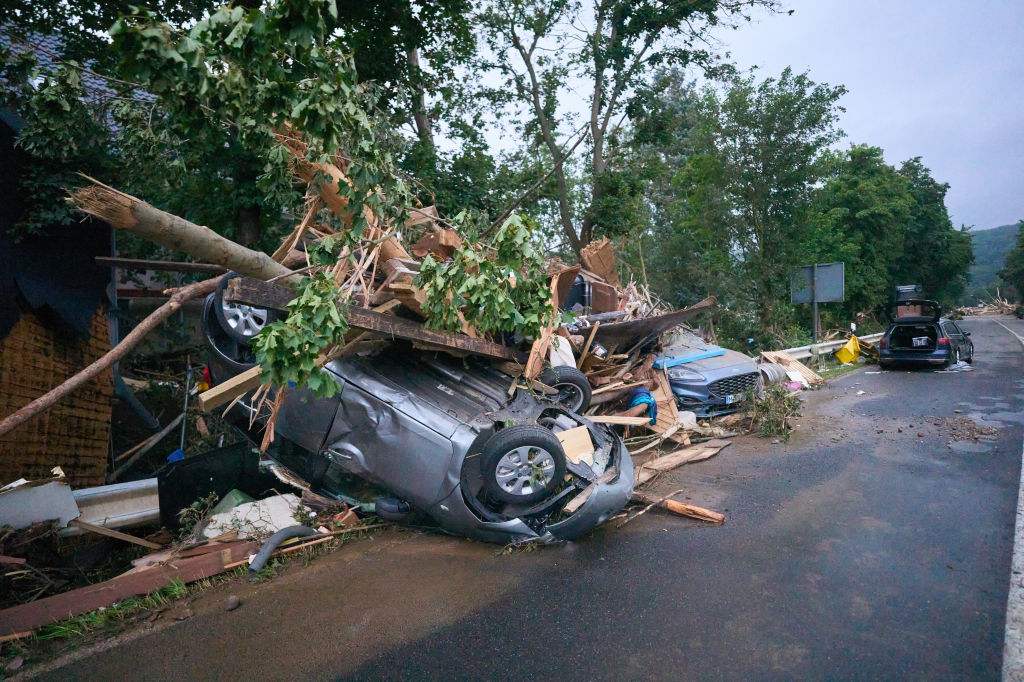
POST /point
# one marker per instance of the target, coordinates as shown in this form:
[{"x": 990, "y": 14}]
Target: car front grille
[{"x": 733, "y": 385}]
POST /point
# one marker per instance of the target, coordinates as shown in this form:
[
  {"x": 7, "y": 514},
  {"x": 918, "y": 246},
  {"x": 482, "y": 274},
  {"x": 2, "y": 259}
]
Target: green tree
[
  {"x": 214, "y": 173},
  {"x": 1012, "y": 273},
  {"x": 759, "y": 151},
  {"x": 935, "y": 254},
  {"x": 543, "y": 49},
  {"x": 861, "y": 215}
]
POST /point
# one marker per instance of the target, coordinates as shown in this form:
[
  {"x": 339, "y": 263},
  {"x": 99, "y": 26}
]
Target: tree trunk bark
[
  {"x": 248, "y": 220},
  {"x": 424, "y": 128},
  {"x": 48, "y": 400},
  {"x": 125, "y": 212}
]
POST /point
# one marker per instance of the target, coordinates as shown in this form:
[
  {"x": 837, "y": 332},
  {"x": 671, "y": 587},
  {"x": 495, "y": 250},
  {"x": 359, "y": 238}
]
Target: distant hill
[{"x": 990, "y": 249}]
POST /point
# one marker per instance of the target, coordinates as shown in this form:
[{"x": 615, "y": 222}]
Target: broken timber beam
[
  {"x": 269, "y": 295},
  {"x": 680, "y": 508}
]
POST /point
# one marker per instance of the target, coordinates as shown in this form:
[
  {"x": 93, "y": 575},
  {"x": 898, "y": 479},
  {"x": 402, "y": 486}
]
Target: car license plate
[
  {"x": 920, "y": 341},
  {"x": 730, "y": 399}
]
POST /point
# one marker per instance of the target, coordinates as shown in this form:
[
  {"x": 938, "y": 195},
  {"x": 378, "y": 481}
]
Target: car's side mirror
[{"x": 967, "y": 332}]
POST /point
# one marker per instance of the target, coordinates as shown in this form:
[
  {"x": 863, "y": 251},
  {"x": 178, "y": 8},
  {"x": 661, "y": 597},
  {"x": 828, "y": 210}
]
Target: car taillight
[
  {"x": 943, "y": 341},
  {"x": 883, "y": 343}
]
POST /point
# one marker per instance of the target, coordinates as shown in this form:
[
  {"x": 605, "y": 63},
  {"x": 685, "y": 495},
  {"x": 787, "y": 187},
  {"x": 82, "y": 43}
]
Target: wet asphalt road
[{"x": 860, "y": 549}]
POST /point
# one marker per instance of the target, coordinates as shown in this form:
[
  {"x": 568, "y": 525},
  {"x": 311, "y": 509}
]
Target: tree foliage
[
  {"x": 501, "y": 286},
  {"x": 759, "y": 151},
  {"x": 542, "y": 49},
  {"x": 861, "y": 216},
  {"x": 935, "y": 254},
  {"x": 1012, "y": 273}
]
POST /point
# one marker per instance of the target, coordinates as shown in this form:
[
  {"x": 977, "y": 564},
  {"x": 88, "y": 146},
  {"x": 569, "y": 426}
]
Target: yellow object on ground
[{"x": 850, "y": 351}]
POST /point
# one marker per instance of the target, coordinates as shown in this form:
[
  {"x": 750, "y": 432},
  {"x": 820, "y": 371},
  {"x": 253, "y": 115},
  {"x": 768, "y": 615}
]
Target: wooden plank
[
  {"x": 668, "y": 412},
  {"x": 618, "y": 386},
  {"x": 441, "y": 243},
  {"x": 694, "y": 453},
  {"x": 85, "y": 599},
  {"x": 626, "y": 334},
  {"x": 575, "y": 503},
  {"x": 270, "y": 295},
  {"x": 229, "y": 390},
  {"x": 586, "y": 347},
  {"x": 111, "y": 533},
  {"x": 622, "y": 421}
]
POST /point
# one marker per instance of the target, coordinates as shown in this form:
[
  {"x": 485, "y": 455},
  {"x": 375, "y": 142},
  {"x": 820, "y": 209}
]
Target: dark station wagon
[{"x": 919, "y": 335}]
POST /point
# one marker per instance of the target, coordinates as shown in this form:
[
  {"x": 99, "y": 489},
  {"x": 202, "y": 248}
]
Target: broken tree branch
[
  {"x": 125, "y": 212},
  {"x": 48, "y": 400}
]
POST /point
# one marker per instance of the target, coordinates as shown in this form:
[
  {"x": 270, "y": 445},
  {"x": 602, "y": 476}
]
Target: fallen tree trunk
[
  {"x": 125, "y": 212},
  {"x": 48, "y": 400}
]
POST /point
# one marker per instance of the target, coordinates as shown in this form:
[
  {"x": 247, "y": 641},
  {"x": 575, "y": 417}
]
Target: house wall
[{"x": 74, "y": 434}]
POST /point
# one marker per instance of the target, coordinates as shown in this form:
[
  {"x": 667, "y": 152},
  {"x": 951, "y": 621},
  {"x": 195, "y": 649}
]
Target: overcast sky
[{"x": 939, "y": 79}]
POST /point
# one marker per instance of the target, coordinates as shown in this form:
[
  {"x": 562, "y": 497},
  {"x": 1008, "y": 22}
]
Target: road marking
[
  {"x": 1013, "y": 643},
  {"x": 1019, "y": 337}
]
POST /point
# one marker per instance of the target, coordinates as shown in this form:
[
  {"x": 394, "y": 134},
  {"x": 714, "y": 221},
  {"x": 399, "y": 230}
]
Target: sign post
[{"x": 818, "y": 283}]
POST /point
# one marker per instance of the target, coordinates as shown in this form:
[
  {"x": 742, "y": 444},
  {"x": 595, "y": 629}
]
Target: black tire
[
  {"x": 535, "y": 451},
  {"x": 970, "y": 357},
  {"x": 247, "y": 321},
  {"x": 572, "y": 385},
  {"x": 230, "y": 356}
]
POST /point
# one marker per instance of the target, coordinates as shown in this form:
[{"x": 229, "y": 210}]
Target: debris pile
[
  {"x": 996, "y": 306},
  {"x": 374, "y": 297}
]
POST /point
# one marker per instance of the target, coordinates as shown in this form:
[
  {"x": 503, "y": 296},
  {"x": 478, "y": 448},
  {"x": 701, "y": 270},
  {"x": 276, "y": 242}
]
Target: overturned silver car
[{"x": 447, "y": 438}]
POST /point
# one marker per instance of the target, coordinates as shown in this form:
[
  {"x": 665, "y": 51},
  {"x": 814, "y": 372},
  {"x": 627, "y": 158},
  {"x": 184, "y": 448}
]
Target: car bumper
[
  {"x": 703, "y": 404},
  {"x": 607, "y": 500},
  {"x": 936, "y": 357}
]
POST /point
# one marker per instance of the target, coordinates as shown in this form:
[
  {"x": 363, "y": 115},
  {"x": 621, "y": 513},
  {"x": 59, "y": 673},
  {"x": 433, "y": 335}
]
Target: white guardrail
[{"x": 802, "y": 352}]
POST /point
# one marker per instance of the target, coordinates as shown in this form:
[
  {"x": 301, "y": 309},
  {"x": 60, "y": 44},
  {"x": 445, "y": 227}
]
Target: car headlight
[{"x": 684, "y": 374}]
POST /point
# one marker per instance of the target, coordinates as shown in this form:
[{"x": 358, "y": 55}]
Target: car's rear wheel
[
  {"x": 573, "y": 387},
  {"x": 970, "y": 357},
  {"x": 522, "y": 464}
]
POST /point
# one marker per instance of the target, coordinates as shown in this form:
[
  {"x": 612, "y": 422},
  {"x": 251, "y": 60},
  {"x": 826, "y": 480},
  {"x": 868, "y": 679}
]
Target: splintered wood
[
  {"x": 599, "y": 258},
  {"x": 792, "y": 365}
]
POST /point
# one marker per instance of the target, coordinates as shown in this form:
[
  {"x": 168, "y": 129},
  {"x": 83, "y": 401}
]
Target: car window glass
[{"x": 956, "y": 329}]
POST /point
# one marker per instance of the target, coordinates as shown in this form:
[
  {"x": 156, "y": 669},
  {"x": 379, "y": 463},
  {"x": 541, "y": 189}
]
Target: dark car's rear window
[{"x": 914, "y": 336}]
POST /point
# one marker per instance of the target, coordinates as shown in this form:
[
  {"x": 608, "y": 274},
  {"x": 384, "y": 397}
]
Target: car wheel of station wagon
[{"x": 522, "y": 464}]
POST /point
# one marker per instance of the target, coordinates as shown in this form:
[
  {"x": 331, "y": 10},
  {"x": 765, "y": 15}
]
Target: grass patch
[{"x": 113, "y": 614}]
